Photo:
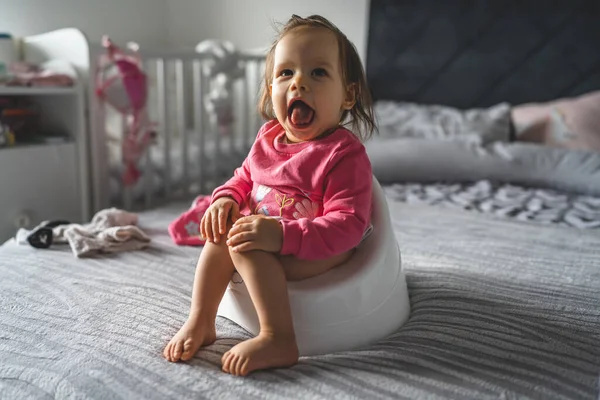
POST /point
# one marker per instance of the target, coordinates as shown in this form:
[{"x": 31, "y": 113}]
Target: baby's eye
[
  {"x": 319, "y": 72},
  {"x": 286, "y": 72}
]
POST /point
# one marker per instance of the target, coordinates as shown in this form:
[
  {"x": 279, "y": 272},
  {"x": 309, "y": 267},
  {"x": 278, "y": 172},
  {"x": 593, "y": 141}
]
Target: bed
[
  {"x": 484, "y": 106},
  {"x": 490, "y": 318},
  {"x": 501, "y": 306}
]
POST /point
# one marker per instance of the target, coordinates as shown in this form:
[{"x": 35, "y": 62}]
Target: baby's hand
[
  {"x": 214, "y": 221},
  {"x": 256, "y": 232}
]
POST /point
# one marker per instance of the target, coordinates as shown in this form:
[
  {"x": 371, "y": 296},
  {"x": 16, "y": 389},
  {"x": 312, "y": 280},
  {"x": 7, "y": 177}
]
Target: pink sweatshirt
[{"x": 321, "y": 189}]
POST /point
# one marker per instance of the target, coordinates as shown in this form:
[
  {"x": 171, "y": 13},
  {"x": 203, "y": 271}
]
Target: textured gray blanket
[
  {"x": 500, "y": 309},
  {"x": 544, "y": 206}
]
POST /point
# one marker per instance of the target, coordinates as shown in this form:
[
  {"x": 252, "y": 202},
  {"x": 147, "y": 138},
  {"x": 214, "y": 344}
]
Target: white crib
[{"x": 192, "y": 153}]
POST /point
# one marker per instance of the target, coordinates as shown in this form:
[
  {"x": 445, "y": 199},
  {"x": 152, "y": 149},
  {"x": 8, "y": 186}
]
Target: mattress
[{"x": 500, "y": 309}]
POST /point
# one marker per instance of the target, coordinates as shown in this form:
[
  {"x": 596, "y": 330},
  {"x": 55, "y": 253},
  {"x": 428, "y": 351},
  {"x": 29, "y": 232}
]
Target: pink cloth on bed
[
  {"x": 185, "y": 230},
  {"x": 321, "y": 190}
]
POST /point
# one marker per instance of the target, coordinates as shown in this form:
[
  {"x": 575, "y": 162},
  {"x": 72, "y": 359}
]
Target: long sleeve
[
  {"x": 237, "y": 186},
  {"x": 346, "y": 214}
]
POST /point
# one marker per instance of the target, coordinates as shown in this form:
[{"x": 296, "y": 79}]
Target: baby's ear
[
  {"x": 270, "y": 89},
  {"x": 349, "y": 97}
]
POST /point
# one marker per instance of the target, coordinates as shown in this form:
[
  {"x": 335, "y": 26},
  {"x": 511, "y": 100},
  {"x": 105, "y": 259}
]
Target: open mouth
[{"x": 300, "y": 114}]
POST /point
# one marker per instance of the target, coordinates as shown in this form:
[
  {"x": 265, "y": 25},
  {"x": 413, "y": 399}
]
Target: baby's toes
[
  {"x": 176, "y": 350},
  {"x": 243, "y": 367},
  {"x": 186, "y": 350},
  {"x": 239, "y": 363},
  {"x": 167, "y": 351},
  {"x": 225, "y": 361},
  {"x": 233, "y": 364}
]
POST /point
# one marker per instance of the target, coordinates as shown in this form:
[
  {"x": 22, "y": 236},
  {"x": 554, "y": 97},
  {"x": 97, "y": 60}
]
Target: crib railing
[{"x": 201, "y": 138}]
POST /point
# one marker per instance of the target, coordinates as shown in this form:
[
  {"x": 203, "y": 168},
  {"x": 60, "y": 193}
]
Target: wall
[
  {"x": 248, "y": 24},
  {"x": 143, "y": 21},
  {"x": 180, "y": 23}
]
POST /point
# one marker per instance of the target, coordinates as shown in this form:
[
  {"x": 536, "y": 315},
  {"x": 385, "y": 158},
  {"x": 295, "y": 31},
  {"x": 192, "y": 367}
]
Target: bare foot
[
  {"x": 262, "y": 352},
  {"x": 192, "y": 335}
]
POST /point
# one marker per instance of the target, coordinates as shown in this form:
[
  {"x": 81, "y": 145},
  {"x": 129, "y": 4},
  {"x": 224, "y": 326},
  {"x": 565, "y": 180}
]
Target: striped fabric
[
  {"x": 500, "y": 309},
  {"x": 543, "y": 206}
]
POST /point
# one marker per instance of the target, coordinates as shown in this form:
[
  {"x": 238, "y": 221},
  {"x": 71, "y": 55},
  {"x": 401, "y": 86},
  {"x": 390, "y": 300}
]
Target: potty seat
[{"x": 350, "y": 306}]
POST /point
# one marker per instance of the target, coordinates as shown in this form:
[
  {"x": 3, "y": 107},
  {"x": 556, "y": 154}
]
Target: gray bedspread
[{"x": 500, "y": 309}]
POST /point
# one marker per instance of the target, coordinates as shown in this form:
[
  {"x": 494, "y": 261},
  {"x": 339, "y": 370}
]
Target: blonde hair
[{"x": 361, "y": 116}]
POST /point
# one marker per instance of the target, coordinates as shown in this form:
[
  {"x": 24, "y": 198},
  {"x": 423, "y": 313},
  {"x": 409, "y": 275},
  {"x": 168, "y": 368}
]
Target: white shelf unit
[
  {"x": 46, "y": 180},
  {"x": 38, "y": 91}
]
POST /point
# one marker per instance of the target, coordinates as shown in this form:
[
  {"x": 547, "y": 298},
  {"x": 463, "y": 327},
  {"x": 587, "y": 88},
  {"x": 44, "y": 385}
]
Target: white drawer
[{"x": 38, "y": 183}]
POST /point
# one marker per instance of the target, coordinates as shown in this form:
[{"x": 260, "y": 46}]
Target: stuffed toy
[{"x": 122, "y": 83}]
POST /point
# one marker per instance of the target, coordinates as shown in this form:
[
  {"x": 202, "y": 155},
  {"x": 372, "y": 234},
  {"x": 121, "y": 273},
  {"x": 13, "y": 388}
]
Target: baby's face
[{"x": 307, "y": 92}]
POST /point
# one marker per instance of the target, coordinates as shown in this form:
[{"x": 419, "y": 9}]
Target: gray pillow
[{"x": 422, "y": 160}]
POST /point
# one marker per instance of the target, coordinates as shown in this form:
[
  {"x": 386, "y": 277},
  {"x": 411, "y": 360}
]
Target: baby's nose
[{"x": 300, "y": 83}]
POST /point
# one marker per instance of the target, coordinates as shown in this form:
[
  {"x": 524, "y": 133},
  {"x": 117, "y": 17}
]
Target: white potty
[{"x": 355, "y": 304}]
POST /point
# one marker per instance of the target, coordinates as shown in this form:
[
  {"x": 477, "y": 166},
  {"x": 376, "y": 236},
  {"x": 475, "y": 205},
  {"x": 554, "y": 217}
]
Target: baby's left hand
[{"x": 256, "y": 232}]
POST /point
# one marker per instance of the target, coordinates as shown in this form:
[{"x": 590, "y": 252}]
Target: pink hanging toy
[{"x": 121, "y": 82}]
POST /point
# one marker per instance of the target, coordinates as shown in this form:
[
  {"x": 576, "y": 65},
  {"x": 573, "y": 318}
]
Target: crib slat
[
  {"x": 254, "y": 80},
  {"x": 246, "y": 104},
  {"x": 148, "y": 180},
  {"x": 126, "y": 190},
  {"x": 199, "y": 131},
  {"x": 161, "y": 74},
  {"x": 181, "y": 128},
  {"x": 233, "y": 130},
  {"x": 102, "y": 174},
  {"x": 148, "y": 172},
  {"x": 218, "y": 151},
  {"x": 258, "y": 78},
  {"x": 127, "y": 198}
]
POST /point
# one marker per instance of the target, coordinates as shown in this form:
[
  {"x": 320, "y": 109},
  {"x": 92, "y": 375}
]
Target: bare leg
[
  {"x": 275, "y": 345},
  {"x": 213, "y": 273}
]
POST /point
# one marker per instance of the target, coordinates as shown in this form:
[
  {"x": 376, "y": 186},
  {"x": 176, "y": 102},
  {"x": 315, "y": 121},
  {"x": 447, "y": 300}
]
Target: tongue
[{"x": 301, "y": 113}]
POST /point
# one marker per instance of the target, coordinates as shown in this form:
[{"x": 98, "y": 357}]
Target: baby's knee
[
  {"x": 240, "y": 255},
  {"x": 222, "y": 236}
]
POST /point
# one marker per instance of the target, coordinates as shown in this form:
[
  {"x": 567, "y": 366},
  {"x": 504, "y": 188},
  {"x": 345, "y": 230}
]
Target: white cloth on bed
[{"x": 110, "y": 231}]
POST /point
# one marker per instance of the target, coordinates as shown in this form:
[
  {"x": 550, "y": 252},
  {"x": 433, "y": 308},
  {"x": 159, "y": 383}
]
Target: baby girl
[{"x": 299, "y": 204}]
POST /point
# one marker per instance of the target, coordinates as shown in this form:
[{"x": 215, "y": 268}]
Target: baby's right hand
[{"x": 214, "y": 221}]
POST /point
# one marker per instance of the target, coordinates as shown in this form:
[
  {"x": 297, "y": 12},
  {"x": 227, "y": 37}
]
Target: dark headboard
[{"x": 476, "y": 53}]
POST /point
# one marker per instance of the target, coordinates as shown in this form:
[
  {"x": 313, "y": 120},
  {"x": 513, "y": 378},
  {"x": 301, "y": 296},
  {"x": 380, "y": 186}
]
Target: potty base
[{"x": 383, "y": 320}]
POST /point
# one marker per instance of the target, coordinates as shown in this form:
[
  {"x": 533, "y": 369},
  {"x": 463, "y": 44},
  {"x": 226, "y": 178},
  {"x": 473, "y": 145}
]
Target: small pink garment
[
  {"x": 122, "y": 83},
  {"x": 185, "y": 230}
]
